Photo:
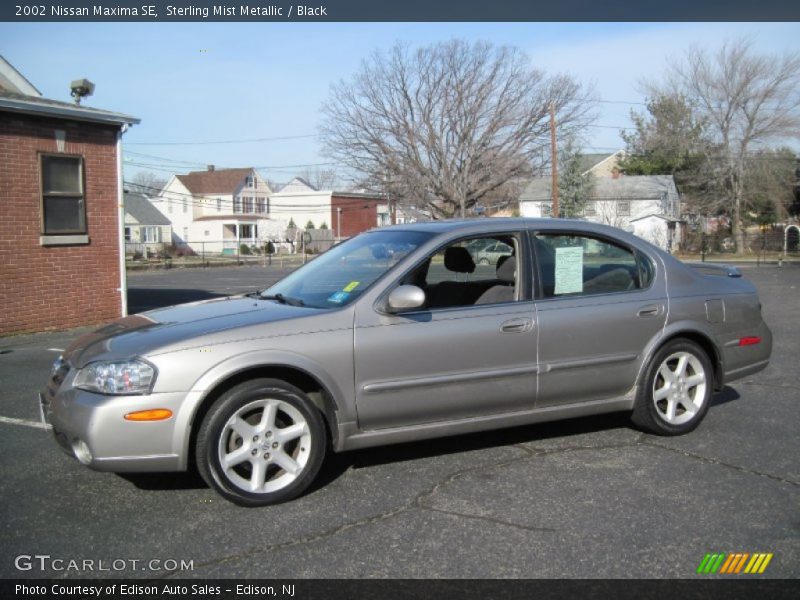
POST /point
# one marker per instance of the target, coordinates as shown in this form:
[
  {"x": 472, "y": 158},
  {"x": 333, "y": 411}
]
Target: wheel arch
[
  {"x": 320, "y": 390},
  {"x": 701, "y": 338}
]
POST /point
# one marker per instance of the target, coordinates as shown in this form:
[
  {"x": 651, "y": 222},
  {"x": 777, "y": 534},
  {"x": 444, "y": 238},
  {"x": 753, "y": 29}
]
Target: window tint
[{"x": 576, "y": 265}]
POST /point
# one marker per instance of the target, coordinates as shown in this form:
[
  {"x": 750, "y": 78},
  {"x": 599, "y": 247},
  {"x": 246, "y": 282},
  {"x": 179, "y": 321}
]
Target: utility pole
[{"x": 554, "y": 158}]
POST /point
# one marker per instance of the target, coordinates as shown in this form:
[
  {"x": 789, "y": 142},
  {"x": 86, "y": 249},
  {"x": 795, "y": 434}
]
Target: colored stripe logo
[{"x": 735, "y": 563}]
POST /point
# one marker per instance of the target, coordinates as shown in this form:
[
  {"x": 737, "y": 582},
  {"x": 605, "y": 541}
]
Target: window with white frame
[
  {"x": 590, "y": 210},
  {"x": 623, "y": 208},
  {"x": 250, "y": 181},
  {"x": 261, "y": 205},
  {"x": 247, "y": 204},
  {"x": 219, "y": 204},
  {"x": 185, "y": 206},
  {"x": 128, "y": 234},
  {"x": 63, "y": 203},
  {"x": 150, "y": 235},
  {"x": 237, "y": 204}
]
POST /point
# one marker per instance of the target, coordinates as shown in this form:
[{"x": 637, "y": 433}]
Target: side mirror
[{"x": 405, "y": 297}]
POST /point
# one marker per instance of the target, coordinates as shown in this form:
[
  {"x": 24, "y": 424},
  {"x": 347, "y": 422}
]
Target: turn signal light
[
  {"x": 749, "y": 341},
  {"x": 154, "y": 414}
]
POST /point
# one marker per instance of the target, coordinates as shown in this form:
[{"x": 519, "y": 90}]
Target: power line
[{"x": 240, "y": 141}]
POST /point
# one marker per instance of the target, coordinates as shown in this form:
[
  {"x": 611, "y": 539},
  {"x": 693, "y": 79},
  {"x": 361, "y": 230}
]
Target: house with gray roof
[
  {"x": 646, "y": 205},
  {"x": 147, "y": 229}
]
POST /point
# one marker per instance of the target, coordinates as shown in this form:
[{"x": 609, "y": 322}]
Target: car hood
[{"x": 180, "y": 326}]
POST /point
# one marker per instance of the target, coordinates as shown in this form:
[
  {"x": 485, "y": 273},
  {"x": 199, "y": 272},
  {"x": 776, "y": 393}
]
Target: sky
[{"x": 194, "y": 85}]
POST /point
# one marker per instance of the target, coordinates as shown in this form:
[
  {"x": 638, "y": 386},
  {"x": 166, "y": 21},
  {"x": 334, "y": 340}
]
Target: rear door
[{"x": 599, "y": 304}]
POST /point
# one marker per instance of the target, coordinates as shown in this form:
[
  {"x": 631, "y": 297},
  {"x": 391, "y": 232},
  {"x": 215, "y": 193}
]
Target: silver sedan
[{"x": 401, "y": 334}]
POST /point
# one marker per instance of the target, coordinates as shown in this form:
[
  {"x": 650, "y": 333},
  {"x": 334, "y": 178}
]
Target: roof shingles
[{"x": 218, "y": 181}]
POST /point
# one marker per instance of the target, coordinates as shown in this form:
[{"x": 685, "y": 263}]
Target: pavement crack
[
  {"x": 715, "y": 461},
  {"x": 489, "y": 519},
  {"x": 413, "y": 503}
]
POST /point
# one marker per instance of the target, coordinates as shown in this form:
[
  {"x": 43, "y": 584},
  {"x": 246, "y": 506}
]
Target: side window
[
  {"x": 63, "y": 208},
  {"x": 479, "y": 270},
  {"x": 579, "y": 265}
]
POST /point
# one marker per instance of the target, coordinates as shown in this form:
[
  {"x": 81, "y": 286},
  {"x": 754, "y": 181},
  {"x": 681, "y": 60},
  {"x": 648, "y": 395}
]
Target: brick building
[{"x": 61, "y": 263}]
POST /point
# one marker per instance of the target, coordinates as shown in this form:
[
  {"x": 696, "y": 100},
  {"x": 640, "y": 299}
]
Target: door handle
[
  {"x": 652, "y": 310},
  {"x": 516, "y": 326}
]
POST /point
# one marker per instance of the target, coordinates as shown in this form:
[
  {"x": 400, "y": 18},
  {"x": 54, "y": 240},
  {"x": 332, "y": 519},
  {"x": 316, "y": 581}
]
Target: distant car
[
  {"x": 493, "y": 253},
  {"x": 395, "y": 336}
]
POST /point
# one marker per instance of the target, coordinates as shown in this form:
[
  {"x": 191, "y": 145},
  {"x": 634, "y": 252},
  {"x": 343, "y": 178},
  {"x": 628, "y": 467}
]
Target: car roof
[
  {"x": 500, "y": 224},
  {"x": 490, "y": 224}
]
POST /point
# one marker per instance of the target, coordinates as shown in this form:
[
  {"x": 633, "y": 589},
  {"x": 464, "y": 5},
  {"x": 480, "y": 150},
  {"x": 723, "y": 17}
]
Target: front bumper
[{"x": 93, "y": 429}]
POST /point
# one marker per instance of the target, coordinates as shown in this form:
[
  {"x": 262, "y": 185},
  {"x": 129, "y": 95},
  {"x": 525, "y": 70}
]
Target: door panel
[
  {"x": 444, "y": 364},
  {"x": 591, "y": 348}
]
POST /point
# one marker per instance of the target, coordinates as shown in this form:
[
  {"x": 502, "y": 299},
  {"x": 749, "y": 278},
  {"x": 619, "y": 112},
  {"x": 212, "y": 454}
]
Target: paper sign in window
[{"x": 569, "y": 270}]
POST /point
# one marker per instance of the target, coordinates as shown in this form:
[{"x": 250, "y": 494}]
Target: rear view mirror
[{"x": 405, "y": 297}]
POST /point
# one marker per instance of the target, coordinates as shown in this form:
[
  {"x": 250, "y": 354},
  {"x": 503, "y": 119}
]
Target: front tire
[
  {"x": 677, "y": 389},
  {"x": 262, "y": 442}
]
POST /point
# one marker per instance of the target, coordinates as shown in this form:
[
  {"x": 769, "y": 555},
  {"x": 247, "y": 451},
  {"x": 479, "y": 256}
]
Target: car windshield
[{"x": 344, "y": 272}]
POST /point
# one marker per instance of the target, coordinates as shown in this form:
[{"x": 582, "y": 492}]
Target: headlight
[{"x": 116, "y": 378}]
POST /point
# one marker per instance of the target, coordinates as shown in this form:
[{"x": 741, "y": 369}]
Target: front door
[{"x": 471, "y": 351}]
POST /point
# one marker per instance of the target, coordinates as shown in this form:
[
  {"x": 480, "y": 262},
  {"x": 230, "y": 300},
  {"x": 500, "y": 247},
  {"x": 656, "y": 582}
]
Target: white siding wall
[{"x": 301, "y": 207}]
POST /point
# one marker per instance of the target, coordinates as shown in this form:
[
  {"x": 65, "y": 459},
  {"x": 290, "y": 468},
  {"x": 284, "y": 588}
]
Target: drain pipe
[{"x": 123, "y": 279}]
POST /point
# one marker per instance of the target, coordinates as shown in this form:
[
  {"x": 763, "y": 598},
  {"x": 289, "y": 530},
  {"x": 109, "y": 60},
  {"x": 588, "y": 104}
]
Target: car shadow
[
  {"x": 186, "y": 480},
  {"x": 728, "y": 394},
  {"x": 142, "y": 299},
  {"x": 336, "y": 464}
]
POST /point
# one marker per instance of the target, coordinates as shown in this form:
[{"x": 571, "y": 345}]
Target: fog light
[{"x": 82, "y": 452}]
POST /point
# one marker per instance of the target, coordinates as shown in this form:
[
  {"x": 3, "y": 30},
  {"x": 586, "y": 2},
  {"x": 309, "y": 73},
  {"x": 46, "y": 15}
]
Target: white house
[
  {"x": 646, "y": 205},
  {"x": 217, "y": 210}
]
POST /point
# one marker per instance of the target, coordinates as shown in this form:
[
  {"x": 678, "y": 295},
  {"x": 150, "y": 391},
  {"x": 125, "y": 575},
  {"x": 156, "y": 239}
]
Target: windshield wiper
[{"x": 283, "y": 299}]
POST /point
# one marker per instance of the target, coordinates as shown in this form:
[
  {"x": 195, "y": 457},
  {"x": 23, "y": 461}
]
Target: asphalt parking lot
[{"x": 577, "y": 499}]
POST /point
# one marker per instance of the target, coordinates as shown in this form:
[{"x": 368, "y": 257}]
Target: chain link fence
[
  {"x": 767, "y": 243},
  {"x": 208, "y": 253}
]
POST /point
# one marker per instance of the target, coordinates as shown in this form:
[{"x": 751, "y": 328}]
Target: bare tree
[
  {"x": 147, "y": 183},
  {"x": 744, "y": 99},
  {"x": 321, "y": 179},
  {"x": 448, "y": 126}
]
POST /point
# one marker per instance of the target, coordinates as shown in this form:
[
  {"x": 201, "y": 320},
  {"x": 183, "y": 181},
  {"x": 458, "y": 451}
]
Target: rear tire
[
  {"x": 676, "y": 391},
  {"x": 262, "y": 442}
]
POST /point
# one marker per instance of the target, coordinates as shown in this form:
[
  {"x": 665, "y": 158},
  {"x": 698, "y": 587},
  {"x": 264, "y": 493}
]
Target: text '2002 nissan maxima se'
[{"x": 403, "y": 334}]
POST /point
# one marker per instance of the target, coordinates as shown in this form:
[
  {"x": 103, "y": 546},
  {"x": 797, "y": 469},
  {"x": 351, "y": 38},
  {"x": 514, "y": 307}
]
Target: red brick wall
[
  {"x": 358, "y": 214},
  {"x": 56, "y": 287}
]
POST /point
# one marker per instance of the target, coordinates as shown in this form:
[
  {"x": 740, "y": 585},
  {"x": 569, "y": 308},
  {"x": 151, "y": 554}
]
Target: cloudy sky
[{"x": 195, "y": 85}]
